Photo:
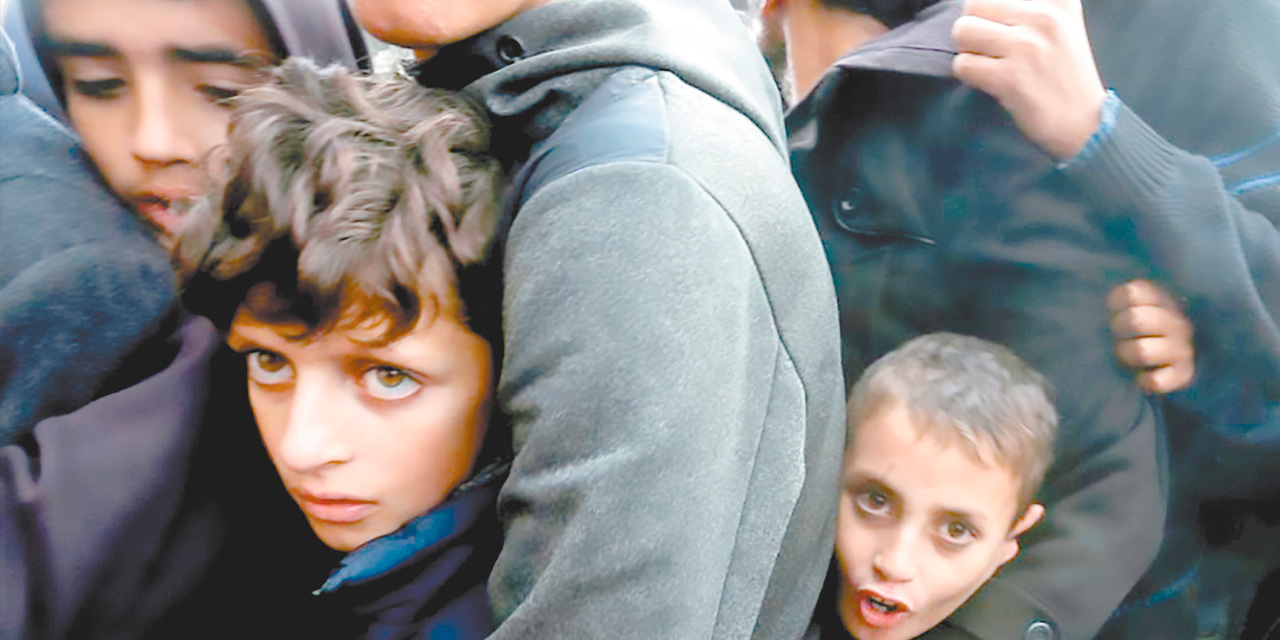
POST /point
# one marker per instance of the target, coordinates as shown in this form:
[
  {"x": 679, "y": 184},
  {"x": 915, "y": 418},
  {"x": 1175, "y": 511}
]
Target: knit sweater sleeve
[{"x": 1197, "y": 176}]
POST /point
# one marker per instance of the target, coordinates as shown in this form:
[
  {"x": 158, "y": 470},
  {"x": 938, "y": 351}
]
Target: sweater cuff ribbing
[{"x": 1129, "y": 168}]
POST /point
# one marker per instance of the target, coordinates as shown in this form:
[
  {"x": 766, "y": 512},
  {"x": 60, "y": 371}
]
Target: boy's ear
[
  {"x": 769, "y": 7},
  {"x": 1032, "y": 515}
]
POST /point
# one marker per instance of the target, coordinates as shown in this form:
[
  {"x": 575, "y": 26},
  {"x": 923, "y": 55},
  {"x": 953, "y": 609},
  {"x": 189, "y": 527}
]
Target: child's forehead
[
  {"x": 928, "y": 465},
  {"x": 926, "y": 435}
]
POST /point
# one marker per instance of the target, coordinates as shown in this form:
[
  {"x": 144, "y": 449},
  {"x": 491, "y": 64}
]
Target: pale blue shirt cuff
[{"x": 1110, "y": 107}]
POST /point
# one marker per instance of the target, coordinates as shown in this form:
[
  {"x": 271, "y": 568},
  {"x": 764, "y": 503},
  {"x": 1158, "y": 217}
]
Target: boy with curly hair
[{"x": 345, "y": 255}]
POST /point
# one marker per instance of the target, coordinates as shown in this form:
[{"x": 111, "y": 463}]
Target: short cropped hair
[
  {"x": 967, "y": 387},
  {"x": 891, "y": 13},
  {"x": 359, "y": 198}
]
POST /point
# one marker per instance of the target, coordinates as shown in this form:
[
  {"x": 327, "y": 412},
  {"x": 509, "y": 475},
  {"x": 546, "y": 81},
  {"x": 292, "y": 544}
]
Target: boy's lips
[
  {"x": 164, "y": 210},
  {"x": 880, "y": 612},
  {"x": 333, "y": 508}
]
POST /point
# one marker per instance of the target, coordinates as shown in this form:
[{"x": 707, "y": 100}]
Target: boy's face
[
  {"x": 427, "y": 25},
  {"x": 921, "y": 525},
  {"x": 146, "y": 83},
  {"x": 366, "y": 436}
]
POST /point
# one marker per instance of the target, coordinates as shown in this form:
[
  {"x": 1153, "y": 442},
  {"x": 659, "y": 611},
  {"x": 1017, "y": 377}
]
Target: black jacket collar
[{"x": 920, "y": 47}]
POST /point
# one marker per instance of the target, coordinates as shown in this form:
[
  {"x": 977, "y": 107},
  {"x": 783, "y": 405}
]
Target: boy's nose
[
  {"x": 895, "y": 559},
  {"x": 314, "y": 435},
  {"x": 159, "y": 137}
]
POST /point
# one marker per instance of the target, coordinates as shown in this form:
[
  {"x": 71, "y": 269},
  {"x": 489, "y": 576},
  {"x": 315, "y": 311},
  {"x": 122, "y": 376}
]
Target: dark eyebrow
[
  {"x": 73, "y": 49},
  {"x": 213, "y": 55}
]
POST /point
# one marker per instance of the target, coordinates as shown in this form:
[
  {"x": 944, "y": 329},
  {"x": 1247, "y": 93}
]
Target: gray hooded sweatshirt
[{"x": 671, "y": 342}]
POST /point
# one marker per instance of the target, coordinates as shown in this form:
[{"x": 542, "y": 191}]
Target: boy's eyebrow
[
  {"x": 863, "y": 480},
  {"x": 212, "y": 55},
  {"x": 960, "y": 514},
  {"x": 77, "y": 49},
  {"x": 203, "y": 55}
]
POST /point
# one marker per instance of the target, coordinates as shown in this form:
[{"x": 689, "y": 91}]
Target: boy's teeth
[{"x": 881, "y": 605}]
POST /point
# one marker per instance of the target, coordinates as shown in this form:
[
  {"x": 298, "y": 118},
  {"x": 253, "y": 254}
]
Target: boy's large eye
[
  {"x": 958, "y": 533},
  {"x": 104, "y": 89},
  {"x": 268, "y": 367},
  {"x": 872, "y": 503},
  {"x": 389, "y": 383}
]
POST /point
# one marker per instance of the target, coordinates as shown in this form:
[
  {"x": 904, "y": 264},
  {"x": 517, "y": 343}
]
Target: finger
[
  {"x": 980, "y": 72},
  {"x": 1002, "y": 11},
  {"x": 1167, "y": 379},
  {"x": 972, "y": 34},
  {"x": 1118, "y": 297},
  {"x": 1145, "y": 292},
  {"x": 1146, "y": 353},
  {"x": 1142, "y": 321},
  {"x": 1011, "y": 12}
]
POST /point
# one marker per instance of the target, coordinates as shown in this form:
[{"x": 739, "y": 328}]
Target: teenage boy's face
[
  {"x": 427, "y": 25},
  {"x": 921, "y": 525},
  {"x": 366, "y": 436},
  {"x": 147, "y": 83}
]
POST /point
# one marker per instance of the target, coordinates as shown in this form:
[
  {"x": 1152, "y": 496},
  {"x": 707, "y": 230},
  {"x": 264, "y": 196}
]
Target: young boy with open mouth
[
  {"x": 346, "y": 255},
  {"x": 949, "y": 438}
]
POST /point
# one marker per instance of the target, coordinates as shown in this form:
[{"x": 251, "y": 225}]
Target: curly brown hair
[{"x": 359, "y": 198}]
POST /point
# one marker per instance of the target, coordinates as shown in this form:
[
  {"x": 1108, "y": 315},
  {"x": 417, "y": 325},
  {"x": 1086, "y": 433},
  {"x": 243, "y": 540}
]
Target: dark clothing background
[
  {"x": 1192, "y": 168},
  {"x": 126, "y": 502},
  {"x": 94, "y": 542},
  {"x": 937, "y": 215},
  {"x": 1189, "y": 179},
  {"x": 101, "y": 385}
]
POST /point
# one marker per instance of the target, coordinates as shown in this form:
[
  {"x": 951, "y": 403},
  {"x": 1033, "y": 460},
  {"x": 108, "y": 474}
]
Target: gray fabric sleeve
[{"x": 650, "y": 396}]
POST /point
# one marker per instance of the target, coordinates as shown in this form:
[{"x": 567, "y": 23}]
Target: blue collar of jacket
[{"x": 425, "y": 538}]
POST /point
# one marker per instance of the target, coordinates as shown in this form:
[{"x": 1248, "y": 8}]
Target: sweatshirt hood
[
  {"x": 322, "y": 30},
  {"x": 534, "y": 68}
]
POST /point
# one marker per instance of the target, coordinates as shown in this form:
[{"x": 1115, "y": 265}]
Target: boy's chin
[{"x": 344, "y": 538}]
